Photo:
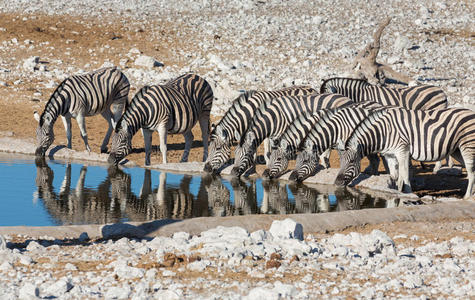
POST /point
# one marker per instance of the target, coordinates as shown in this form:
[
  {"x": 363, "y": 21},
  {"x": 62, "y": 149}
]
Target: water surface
[{"x": 39, "y": 192}]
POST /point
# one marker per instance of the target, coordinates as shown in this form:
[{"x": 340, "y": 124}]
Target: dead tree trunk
[{"x": 366, "y": 67}]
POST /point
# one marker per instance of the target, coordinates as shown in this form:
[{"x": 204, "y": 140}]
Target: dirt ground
[{"x": 56, "y": 37}]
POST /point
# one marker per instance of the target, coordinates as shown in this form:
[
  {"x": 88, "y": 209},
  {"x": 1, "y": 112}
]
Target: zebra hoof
[{"x": 104, "y": 150}]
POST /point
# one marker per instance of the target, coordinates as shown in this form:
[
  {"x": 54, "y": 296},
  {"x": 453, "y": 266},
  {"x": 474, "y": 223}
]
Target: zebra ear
[
  {"x": 36, "y": 116},
  {"x": 284, "y": 144},
  {"x": 340, "y": 145},
  {"x": 237, "y": 135}
]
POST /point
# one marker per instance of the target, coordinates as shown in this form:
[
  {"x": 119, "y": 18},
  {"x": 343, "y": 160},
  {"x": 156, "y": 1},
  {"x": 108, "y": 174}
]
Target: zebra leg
[
  {"x": 204, "y": 125},
  {"x": 108, "y": 116},
  {"x": 188, "y": 142},
  {"x": 162, "y": 132},
  {"x": 467, "y": 160},
  {"x": 82, "y": 127},
  {"x": 67, "y": 128},
  {"x": 403, "y": 183},
  {"x": 267, "y": 151},
  {"x": 147, "y": 139},
  {"x": 372, "y": 169},
  {"x": 325, "y": 158}
]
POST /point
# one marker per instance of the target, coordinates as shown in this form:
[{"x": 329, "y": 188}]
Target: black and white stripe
[
  {"x": 237, "y": 119},
  {"x": 172, "y": 108},
  {"x": 420, "y": 97},
  {"x": 104, "y": 92},
  {"x": 332, "y": 125},
  {"x": 271, "y": 120},
  {"x": 422, "y": 135}
]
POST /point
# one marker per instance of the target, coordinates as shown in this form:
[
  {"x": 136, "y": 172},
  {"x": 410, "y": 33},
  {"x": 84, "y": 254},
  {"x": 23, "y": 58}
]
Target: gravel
[
  {"x": 236, "y": 45},
  {"x": 267, "y": 44},
  {"x": 231, "y": 263}
]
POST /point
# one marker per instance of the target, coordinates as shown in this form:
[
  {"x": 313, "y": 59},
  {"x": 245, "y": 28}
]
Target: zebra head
[
  {"x": 350, "y": 161},
  {"x": 44, "y": 133},
  {"x": 219, "y": 151},
  {"x": 244, "y": 154},
  {"x": 121, "y": 144},
  {"x": 305, "y": 165},
  {"x": 279, "y": 160}
]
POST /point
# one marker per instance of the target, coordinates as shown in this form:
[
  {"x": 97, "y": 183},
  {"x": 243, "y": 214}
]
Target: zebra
[
  {"x": 331, "y": 126},
  {"x": 420, "y": 97},
  {"x": 273, "y": 117},
  {"x": 237, "y": 119},
  {"x": 422, "y": 135},
  {"x": 104, "y": 91},
  {"x": 172, "y": 108}
]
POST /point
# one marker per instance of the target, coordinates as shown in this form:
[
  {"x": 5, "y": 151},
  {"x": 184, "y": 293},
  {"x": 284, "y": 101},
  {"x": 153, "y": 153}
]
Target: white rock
[
  {"x": 166, "y": 295},
  {"x": 285, "y": 290},
  {"x": 259, "y": 235},
  {"x": 29, "y": 291},
  {"x": 147, "y": 61},
  {"x": 26, "y": 260},
  {"x": 34, "y": 245},
  {"x": 412, "y": 281},
  {"x": 286, "y": 229},
  {"x": 116, "y": 292},
  {"x": 198, "y": 266},
  {"x": 260, "y": 293},
  {"x": 181, "y": 236},
  {"x": 168, "y": 273},
  {"x": 59, "y": 288},
  {"x": 30, "y": 64},
  {"x": 401, "y": 43}
]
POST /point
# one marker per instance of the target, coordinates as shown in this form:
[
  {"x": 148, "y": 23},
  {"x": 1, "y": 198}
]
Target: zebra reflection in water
[{"x": 79, "y": 205}]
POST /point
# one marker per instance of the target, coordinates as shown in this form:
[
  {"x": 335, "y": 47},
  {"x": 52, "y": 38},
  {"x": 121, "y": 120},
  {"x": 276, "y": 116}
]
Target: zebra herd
[{"x": 350, "y": 115}]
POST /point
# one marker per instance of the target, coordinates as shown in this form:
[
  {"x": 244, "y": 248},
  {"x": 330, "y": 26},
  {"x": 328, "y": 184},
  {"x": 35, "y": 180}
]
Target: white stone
[
  {"x": 117, "y": 292},
  {"x": 29, "y": 291},
  {"x": 285, "y": 290},
  {"x": 34, "y": 245},
  {"x": 259, "y": 235},
  {"x": 412, "y": 281},
  {"x": 59, "y": 288},
  {"x": 260, "y": 293},
  {"x": 286, "y": 229},
  {"x": 198, "y": 266},
  {"x": 166, "y": 295},
  {"x": 30, "y": 64},
  {"x": 147, "y": 61}
]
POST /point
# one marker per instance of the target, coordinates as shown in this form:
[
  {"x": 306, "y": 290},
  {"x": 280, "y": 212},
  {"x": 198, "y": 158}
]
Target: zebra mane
[
  {"x": 326, "y": 81},
  {"x": 139, "y": 94},
  {"x": 370, "y": 118},
  {"x": 55, "y": 94}
]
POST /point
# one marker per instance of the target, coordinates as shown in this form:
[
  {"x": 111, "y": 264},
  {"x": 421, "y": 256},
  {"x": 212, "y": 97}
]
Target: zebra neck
[{"x": 56, "y": 106}]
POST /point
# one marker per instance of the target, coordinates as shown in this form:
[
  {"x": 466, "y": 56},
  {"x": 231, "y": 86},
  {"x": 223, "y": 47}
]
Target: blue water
[{"x": 50, "y": 192}]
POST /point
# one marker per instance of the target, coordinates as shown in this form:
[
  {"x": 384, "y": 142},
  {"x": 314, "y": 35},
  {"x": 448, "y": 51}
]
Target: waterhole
[{"x": 43, "y": 192}]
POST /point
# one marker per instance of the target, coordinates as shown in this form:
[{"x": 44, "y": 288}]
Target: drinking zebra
[
  {"x": 104, "y": 92},
  {"x": 422, "y": 135},
  {"x": 172, "y": 108},
  {"x": 331, "y": 126},
  {"x": 420, "y": 97},
  {"x": 237, "y": 119},
  {"x": 273, "y": 117}
]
